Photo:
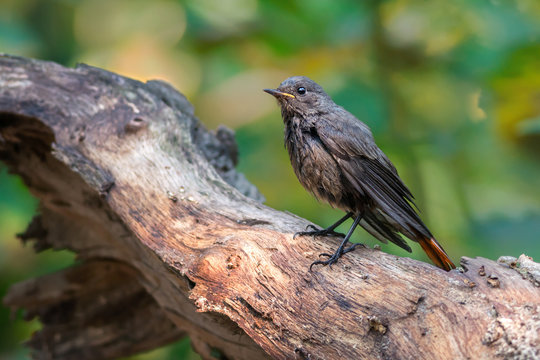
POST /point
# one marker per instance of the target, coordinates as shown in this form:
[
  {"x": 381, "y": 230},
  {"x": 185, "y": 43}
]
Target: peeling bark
[{"x": 172, "y": 241}]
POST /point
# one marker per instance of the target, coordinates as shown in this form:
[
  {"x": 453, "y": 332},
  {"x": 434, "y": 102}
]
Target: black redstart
[{"x": 335, "y": 158}]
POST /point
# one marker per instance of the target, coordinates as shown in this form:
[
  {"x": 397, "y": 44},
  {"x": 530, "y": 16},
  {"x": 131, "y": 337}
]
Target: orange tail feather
[{"x": 436, "y": 253}]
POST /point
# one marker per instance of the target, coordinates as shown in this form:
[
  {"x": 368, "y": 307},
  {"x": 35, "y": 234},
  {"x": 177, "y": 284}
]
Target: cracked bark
[{"x": 172, "y": 241}]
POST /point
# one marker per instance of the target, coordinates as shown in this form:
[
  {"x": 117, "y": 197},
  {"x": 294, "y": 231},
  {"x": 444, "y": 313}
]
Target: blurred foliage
[{"x": 451, "y": 90}]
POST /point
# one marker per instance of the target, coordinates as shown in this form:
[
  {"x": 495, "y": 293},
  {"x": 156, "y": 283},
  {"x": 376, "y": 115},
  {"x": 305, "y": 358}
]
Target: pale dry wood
[{"x": 129, "y": 180}]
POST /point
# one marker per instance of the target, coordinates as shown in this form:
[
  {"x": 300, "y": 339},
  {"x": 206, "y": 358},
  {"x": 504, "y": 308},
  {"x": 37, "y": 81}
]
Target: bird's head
[{"x": 301, "y": 95}]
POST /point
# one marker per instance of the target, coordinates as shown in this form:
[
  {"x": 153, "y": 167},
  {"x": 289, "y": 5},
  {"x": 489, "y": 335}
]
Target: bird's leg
[
  {"x": 341, "y": 249},
  {"x": 323, "y": 232}
]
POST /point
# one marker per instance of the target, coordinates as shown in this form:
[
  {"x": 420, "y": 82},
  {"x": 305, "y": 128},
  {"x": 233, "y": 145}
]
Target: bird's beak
[{"x": 278, "y": 94}]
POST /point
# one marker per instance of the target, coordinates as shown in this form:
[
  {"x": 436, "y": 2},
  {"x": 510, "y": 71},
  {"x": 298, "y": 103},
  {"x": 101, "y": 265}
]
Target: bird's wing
[{"x": 369, "y": 171}]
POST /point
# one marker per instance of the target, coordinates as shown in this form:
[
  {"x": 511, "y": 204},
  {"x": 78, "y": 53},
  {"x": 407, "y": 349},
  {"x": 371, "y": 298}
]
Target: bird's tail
[{"x": 436, "y": 253}]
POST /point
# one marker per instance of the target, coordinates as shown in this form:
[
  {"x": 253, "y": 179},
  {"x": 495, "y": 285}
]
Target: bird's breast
[{"x": 314, "y": 167}]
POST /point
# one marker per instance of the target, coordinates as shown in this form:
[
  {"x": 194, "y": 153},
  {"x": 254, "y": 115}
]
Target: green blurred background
[{"x": 451, "y": 90}]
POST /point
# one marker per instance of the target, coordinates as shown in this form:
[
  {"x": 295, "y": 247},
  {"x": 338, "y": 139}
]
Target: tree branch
[{"x": 172, "y": 241}]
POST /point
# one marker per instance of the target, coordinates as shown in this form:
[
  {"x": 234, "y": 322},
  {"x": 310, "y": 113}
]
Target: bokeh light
[{"x": 451, "y": 90}]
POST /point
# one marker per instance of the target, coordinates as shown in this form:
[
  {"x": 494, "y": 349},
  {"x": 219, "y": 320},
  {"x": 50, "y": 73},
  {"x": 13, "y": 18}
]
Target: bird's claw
[
  {"x": 306, "y": 232},
  {"x": 333, "y": 258}
]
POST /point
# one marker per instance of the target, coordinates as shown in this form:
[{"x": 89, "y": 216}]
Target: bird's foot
[
  {"x": 333, "y": 258},
  {"x": 318, "y": 232}
]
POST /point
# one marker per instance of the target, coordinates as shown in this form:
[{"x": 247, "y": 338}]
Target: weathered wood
[
  {"x": 149, "y": 200},
  {"x": 100, "y": 303}
]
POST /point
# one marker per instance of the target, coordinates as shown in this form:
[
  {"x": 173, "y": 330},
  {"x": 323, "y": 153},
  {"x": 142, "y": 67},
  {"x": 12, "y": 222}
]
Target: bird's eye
[{"x": 301, "y": 90}]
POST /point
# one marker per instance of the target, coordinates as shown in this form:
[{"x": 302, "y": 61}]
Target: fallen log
[{"x": 172, "y": 241}]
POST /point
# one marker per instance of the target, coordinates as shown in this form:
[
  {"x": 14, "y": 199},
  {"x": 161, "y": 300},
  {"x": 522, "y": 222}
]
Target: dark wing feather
[
  {"x": 383, "y": 189},
  {"x": 369, "y": 171},
  {"x": 382, "y": 231}
]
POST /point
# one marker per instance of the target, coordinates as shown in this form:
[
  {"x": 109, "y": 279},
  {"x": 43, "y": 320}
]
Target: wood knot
[
  {"x": 469, "y": 283},
  {"x": 376, "y": 324},
  {"x": 482, "y": 271},
  {"x": 135, "y": 124},
  {"x": 233, "y": 261},
  {"x": 493, "y": 281}
]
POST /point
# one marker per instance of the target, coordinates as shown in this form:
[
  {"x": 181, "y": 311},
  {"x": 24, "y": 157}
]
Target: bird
[{"x": 336, "y": 159}]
